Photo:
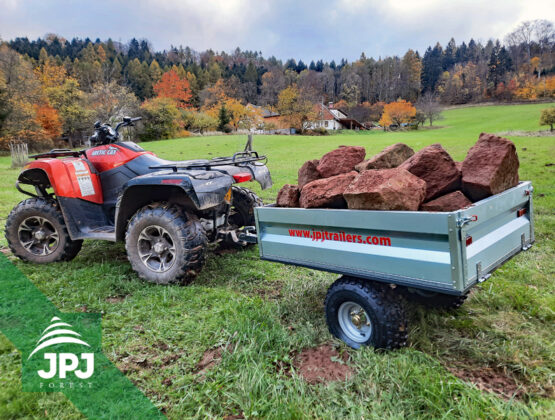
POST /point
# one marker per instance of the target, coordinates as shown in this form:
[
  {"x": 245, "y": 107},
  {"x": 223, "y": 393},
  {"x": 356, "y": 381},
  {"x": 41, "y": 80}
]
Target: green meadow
[{"x": 457, "y": 364}]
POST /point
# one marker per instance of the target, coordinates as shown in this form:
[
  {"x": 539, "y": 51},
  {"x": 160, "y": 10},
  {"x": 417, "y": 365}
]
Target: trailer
[{"x": 384, "y": 257}]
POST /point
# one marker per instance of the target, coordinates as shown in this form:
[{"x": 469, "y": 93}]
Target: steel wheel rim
[
  {"x": 156, "y": 249},
  {"x": 38, "y": 236},
  {"x": 354, "y": 322}
]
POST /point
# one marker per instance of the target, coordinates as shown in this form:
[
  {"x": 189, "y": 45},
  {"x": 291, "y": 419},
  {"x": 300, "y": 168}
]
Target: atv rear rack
[
  {"x": 55, "y": 153},
  {"x": 238, "y": 159}
]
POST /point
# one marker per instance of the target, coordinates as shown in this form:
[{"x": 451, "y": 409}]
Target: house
[
  {"x": 270, "y": 118},
  {"x": 332, "y": 118}
]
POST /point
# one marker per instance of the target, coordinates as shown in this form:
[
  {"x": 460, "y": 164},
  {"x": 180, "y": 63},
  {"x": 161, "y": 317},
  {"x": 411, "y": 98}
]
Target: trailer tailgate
[{"x": 494, "y": 230}]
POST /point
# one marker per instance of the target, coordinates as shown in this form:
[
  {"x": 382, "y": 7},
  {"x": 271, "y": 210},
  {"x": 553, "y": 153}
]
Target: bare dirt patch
[
  {"x": 489, "y": 379},
  {"x": 116, "y": 299},
  {"x": 273, "y": 293},
  {"x": 211, "y": 358},
  {"x": 147, "y": 357},
  {"x": 322, "y": 365}
]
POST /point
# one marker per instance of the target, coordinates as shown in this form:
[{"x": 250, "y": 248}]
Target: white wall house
[{"x": 332, "y": 118}]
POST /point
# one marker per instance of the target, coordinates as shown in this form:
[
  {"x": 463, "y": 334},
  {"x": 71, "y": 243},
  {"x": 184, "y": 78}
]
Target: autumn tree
[
  {"x": 49, "y": 120},
  {"x": 110, "y": 102},
  {"x": 548, "y": 117},
  {"x": 201, "y": 122},
  {"x": 71, "y": 104},
  {"x": 398, "y": 113},
  {"x": 294, "y": 109},
  {"x": 162, "y": 118},
  {"x": 172, "y": 86}
]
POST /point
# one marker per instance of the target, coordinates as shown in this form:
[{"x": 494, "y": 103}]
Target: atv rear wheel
[
  {"x": 165, "y": 245},
  {"x": 242, "y": 207},
  {"x": 36, "y": 232}
]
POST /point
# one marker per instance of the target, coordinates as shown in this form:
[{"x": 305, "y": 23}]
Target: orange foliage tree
[
  {"x": 171, "y": 85},
  {"x": 49, "y": 120},
  {"x": 399, "y": 112}
]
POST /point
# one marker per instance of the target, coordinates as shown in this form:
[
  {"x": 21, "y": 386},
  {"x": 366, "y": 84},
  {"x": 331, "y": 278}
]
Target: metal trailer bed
[{"x": 437, "y": 256}]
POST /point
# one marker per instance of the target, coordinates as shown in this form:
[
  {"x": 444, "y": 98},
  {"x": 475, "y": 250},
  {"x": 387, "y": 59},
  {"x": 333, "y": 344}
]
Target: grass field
[{"x": 502, "y": 338}]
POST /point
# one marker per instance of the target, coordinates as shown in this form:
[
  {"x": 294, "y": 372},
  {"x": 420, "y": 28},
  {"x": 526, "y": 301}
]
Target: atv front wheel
[
  {"x": 36, "y": 232},
  {"x": 165, "y": 245}
]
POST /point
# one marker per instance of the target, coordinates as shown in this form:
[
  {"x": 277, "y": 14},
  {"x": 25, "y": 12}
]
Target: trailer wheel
[
  {"x": 36, "y": 232},
  {"x": 364, "y": 313},
  {"x": 165, "y": 245},
  {"x": 433, "y": 299}
]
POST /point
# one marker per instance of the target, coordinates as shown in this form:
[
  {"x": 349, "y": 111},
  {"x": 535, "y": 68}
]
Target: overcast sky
[{"x": 311, "y": 29}]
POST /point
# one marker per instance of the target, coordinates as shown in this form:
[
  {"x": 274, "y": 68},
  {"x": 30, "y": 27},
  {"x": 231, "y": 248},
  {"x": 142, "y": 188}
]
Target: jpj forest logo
[{"x": 64, "y": 354}]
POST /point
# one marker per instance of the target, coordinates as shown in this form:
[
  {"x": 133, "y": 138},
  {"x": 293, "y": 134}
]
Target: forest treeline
[{"x": 52, "y": 87}]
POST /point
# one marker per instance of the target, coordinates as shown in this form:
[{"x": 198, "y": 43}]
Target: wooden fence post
[{"x": 20, "y": 154}]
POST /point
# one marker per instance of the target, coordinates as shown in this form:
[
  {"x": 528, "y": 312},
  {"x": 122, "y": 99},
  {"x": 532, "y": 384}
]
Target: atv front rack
[{"x": 238, "y": 159}]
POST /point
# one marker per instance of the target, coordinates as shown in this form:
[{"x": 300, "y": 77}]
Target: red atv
[{"x": 166, "y": 212}]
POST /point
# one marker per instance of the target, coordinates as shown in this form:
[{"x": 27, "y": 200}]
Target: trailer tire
[
  {"x": 39, "y": 215},
  {"x": 165, "y": 245},
  {"x": 377, "y": 307},
  {"x": 434, "y": 299}
]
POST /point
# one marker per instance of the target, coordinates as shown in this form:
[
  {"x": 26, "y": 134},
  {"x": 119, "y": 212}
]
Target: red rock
[
  {"x": 386, "y": 189},
  {"x": 459, "y": 166},
  {"x": 327, "y": 192},
  {"x": 340, "y": 161},
  {"x": 434, "y": 165},
  {"x": 288, "y": 196},
  {"x": 490, "y": 167},
  {"x": 449, "y": 202},
  {"x": 309, "y": 172},
  {"x": 390, "y": 157}
]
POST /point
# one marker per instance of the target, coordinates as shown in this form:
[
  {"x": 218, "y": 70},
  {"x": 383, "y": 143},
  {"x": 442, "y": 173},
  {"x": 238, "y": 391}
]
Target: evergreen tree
[
  {"x": 449, "y": 55},
  {"x": 223, "y": 119},
  {"x": 432, "y": 68}
]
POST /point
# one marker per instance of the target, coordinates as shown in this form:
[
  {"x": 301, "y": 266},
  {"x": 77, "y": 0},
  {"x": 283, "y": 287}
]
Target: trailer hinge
[
  {"x": 529, "y": 191},
  {"x": 481, "y": 278},
  {"x": 524, "y": 245},
  {"x": 467, "y": 219}
]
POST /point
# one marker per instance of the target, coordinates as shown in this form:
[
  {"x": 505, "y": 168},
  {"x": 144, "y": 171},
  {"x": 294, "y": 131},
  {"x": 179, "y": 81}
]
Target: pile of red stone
[{"x": 399, "y": 179}]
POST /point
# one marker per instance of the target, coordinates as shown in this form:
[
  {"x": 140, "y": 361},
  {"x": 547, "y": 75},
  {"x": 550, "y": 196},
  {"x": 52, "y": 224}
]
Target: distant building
[
  {"x": 332, "y": 118},
  {"x": 272, "y": 120}
]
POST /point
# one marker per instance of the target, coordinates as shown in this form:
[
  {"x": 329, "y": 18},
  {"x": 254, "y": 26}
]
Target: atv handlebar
[{"x": 127, "y": 121}]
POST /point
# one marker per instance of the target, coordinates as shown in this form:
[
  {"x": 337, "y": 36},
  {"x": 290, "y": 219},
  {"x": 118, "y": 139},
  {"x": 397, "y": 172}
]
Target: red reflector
[
  {"x": 468, "y": 240},
  {"x": 171, "y": 181},
  {"x": 521, "y": 212},
  {"x": 242, "y": 177}
]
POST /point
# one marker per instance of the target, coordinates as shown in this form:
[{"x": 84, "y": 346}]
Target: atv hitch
[{"x": 243, "y": 236}]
